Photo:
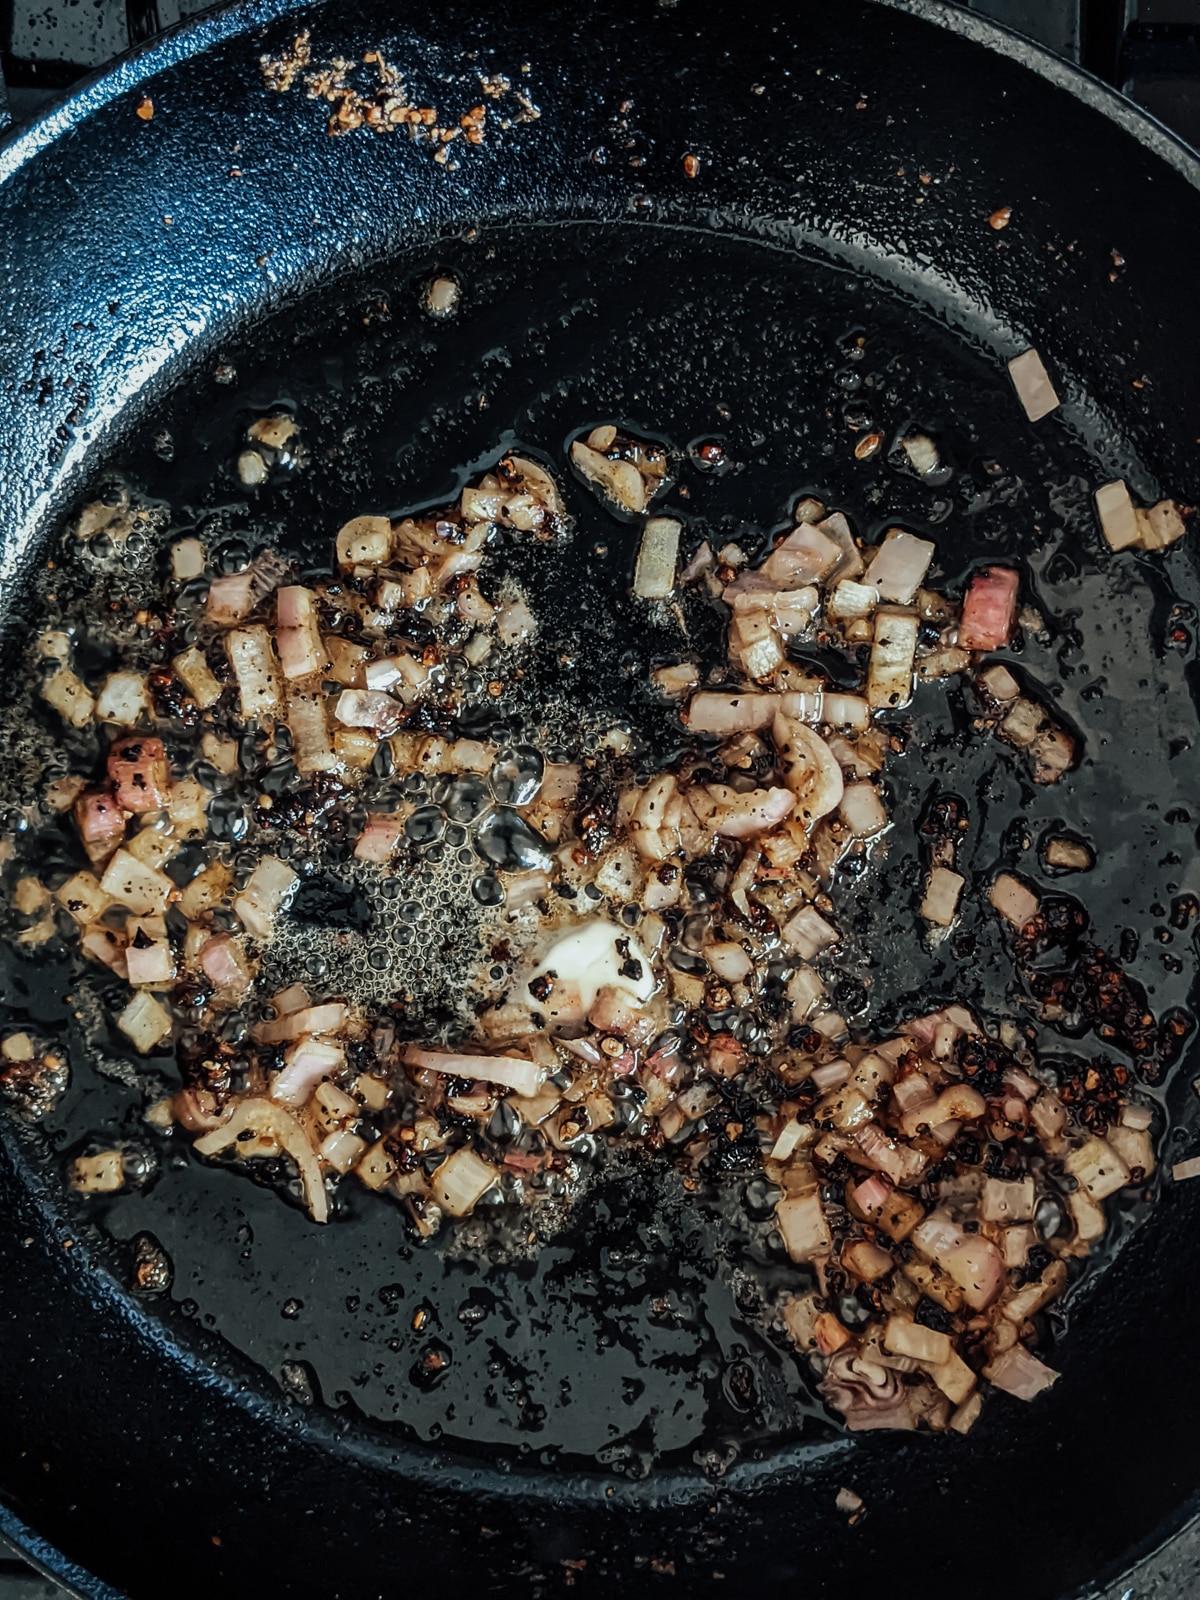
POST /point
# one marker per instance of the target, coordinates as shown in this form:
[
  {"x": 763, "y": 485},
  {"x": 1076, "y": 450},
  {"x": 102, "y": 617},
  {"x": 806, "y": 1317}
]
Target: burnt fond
[{"x": 271, "y": 1418}]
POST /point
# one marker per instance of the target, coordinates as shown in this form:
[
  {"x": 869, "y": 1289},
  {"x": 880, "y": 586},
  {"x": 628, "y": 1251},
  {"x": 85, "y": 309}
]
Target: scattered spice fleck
[
  {"x": 145, "y": 108},
  {"x": 1001, "y": 218},
  {"x": 691, "y": 166}
]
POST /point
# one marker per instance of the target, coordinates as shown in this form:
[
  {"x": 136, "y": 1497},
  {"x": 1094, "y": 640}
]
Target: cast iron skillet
[{"x": 140, "y": 255}]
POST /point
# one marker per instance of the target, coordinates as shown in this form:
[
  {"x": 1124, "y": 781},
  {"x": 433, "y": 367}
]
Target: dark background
[{"x": 1150, "y": 49}]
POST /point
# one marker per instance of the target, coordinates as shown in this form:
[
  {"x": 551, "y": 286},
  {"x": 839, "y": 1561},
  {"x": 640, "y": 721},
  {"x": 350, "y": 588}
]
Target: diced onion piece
[
  {"x": 1020, "y": 1373},
  {"x": 301, "y": 651},
  {"x": 326, "y": 1018},
  {"x": 193, "y": 671},
  {"x": 376, "y": 1167},
  {"x": 1118, "y": 519},
  {"x": 83, "y": 898},
  {"x": 1014, "y": 900},
  {"x": 852, "y": 599},
  {"x": 69, "y": 696},
  {"x": 369, "y": 708},
  {"x": 1007, "y": 1200},
  {"x": 807, "y": 933},
  {"x": 144, "y": 1022},
  {"x": 1032, "y": 383},
  {"x": 890, "y": 673},
  {"x": 727, "y": 714},
  {"x": 657, "y": 558},
  {"x": 954, "y": 1378},
  {"x": 187, "y": 560},
  {"x": 149, "y": 961},
  {"x": 1022, "y": 723},
  {"x": 1183, "y": 1171},
  {"x": 347, "y": 662},
  {"x": 525, "y": 1077},
  {"x": 268, "y": 887},
  {"x": 729, "y": 961},
  {"x": 791, "y": 1135},
  {"x": 905, "y": 1338},
  {"x": 305, "y": 1064},
  {"x": 133, "y": 884},
  {"x": 810, "y": 769},
  {"x": 618, "y": 481},
  {"x": 967, "y": 1415},
  {"x": 341, "y": 1150},
  {"x": 733, "y": 815},
  {"x": 312, "y": 749},
  {"x": 843, "y": 710},
  {"x": 1052, "y": 754},
  {"x": 122, "y": 699},
  {"x": 138, "y": 769},
  {"x": 251, "y": 656},
  {"x": 224, "y": 964},
  {"x": 1098, "y": 1167},
  {"x": 899, "y": 567},
  {"x": 806, "y": 556},
  {"x": 380, "y": 837},
  {"x": 231, "y": 598},
  {"x": 206, "y": 890},
  {"x": 1160, "y": 526},
  {"x": 1068, "y": 855},
  {"x": 677, "y": 681},
  {"x": 942, "y": 891},
  {"x": 515, "y": 622},
  {"x": 269, "y": 1120},
  {"x": 365, "y": 542},
  {"x": 460, "y": 1181},
  {"x": 999, "y": 683},
  {"x": 862, "y": 810},
  {"x": 989, "y": 609},
  {"x": 103, "y": 1173},
  {"x": 802, "y": 1225}
]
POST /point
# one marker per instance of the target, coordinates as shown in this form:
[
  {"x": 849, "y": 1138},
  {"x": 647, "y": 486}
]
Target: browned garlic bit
[{"x": 650, "y": 972}]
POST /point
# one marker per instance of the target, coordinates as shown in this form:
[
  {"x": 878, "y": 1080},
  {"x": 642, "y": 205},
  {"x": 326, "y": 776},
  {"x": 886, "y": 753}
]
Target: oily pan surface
[{"x": 631, "y": 1330}]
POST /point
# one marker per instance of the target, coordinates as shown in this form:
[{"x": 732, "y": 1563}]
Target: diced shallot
[
  {"x": 268, "y": 887},
  {"x": 305, "y": 1064},
  {"x": 899, "y": 566},
  {"x": 1018, "y": 1372},
  {"x": 137, "y": 768},
  {"x": 298, "y": 637},
  {"x": 658, "y": 555},
  {"x": 380, "y": 838},
  {"x": 369, "y": 708},
  {"x": 525, "y": 1077},
  {"x": 989, "y": 609}
]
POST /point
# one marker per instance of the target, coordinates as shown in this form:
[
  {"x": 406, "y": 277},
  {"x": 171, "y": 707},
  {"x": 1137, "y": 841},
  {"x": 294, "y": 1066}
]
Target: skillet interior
[{"x": 703, "y": 317}]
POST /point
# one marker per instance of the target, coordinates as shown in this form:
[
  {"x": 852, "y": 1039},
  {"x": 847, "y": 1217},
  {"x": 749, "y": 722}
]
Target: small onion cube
[
  {"x": 230, "y": 598},
  {"x": 1021, "y": 1374},
  {"x": 187, "y": 560},
  {"x": 1032, "y": 383},
  {"x": 905, "y": 1338},
  {"x": 460, "y": 1181},
  {"x": 122, "y": 699},
  {"x": 252, "y": 657},
  {"x": 266, "y": 890},
  {"x": 131, "y": 883},
  {"x": 852, "y": 599},
  {"x": 657, "y": 558},
  {"x": 862, "y": 810},
  {"x": 899, "y": 567},
  {"x": 193, "y": 671},
  {"x": 1118, "y": 518},
  {"x": 808, "y": 933},
  {"x": 802, "y": 1225},
  {"x": 364, "y": 541},
  {"x": 144, "y": 1022},
  {"x": 989, "y": 609},
  {"x": 942, "y": 890},
  {"x": 1014, "y": 900},
  {"x": 1098, "y": 1167},
  {"x": 1183, "y": 1171},
  {"x": 371, "y": 709},
  {"x": 890, "y": 672},
  {"x": 69, "y": 696},
  {"x": 1160, "y": 526}
]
